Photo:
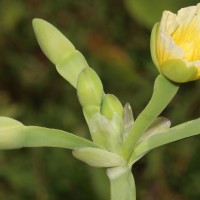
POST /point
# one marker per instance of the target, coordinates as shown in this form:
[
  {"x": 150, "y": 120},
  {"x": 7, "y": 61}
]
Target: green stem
[
  {"x": 164, "y": 91},
  {"x": 122, "y": 184}
]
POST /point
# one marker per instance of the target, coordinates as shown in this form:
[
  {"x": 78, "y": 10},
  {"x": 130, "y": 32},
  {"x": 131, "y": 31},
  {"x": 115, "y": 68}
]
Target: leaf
[
  {"x": 41, "y": 137},
  {"x": 176, "y": 133},
  {"x": 11, "y": 133},
  {"x": 128, "y": 119},
  {"x": 156, "y": 127},
  {"x": 98, "y": 157},
  {"x": 14, "y": 134},
  {"x": 104, "y": 134}
]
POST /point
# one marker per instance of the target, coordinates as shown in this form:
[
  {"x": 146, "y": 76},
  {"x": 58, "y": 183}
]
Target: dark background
[{"x": 114, "y": 37}]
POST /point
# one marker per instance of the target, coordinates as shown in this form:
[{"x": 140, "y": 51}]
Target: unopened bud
[
  {"x": 89, "y": 88},
  {"x": 52, "y": 42},
  {"x": 110, "y": 106}
]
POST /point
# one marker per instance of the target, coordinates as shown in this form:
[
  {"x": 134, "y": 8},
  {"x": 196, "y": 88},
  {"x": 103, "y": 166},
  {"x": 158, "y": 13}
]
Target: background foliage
[{"x": 114, "y": 38}]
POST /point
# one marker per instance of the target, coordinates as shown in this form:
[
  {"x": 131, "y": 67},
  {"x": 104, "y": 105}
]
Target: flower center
[{"x": 188, "y": 38}]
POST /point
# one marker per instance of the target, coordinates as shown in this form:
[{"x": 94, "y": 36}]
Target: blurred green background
[{"x": 114, "y": 38}]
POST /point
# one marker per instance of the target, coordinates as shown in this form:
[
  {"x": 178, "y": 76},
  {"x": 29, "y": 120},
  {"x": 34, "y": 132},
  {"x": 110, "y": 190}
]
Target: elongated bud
[
  {"x": 89, "y": 88},
  {"x": 59, "y": 50},
  {"x": 112, "y": 109},
  {"x": 111, "y": 105},
  {"x": 52, "y": 42}
]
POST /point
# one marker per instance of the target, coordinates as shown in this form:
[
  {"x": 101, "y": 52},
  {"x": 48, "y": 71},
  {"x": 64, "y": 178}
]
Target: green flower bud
[
  {"x": 52, "y": 42},
  {"x": 112, "y": 109},
  {"x": 110, "y": 106},
  {"x": 60, "y": 51},
  {"x": 89, "y": 88}
]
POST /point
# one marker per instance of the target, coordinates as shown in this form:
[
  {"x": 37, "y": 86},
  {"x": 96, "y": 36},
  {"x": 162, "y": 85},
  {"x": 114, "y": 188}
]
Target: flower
[{"x": 175, "y": 44}]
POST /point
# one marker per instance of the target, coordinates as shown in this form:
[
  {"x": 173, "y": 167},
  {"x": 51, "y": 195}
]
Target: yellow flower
[{"x": 175, "y": 44}]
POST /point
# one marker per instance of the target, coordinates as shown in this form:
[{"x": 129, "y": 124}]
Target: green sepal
[
  {"x": 178, "y": 71},
  {"x": 98, "y": 157},
  {"x": 153, "y": 44}
]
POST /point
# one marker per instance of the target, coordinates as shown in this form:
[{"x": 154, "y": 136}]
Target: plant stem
[
  {"x": 122, "y": 184},
  {"x": 164, "y": 91}
]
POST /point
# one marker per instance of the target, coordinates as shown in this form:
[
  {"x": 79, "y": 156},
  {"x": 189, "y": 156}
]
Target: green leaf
[
  {"x": 122, "y": 183},
  {"x": 98, "y": 157},
  {"x": 128, "y": 119},
  {"x": 164, "y": 91},
  {"x": 178, "y": 132},
  {"x": 11, "y": 133},
  {"x": 14, "y": 134},
  {"x": 156, "y": 127}
]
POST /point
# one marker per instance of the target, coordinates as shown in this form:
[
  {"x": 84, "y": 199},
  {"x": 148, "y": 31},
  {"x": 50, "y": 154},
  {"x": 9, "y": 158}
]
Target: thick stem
[
  {"x": 164, "y": 91},
  {"x": 122, "y": 184}
]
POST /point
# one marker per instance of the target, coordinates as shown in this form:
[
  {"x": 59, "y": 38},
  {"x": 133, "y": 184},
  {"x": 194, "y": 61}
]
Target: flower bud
[
  {"x": 52, "y": 42},
  {"x": 112, "y": 109},
  {"x": 60, "y": 51},
  {"x": 111, "y": 105},
  {"x": 175, "y": 45},
  {"x": 89, "y": 88}
]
